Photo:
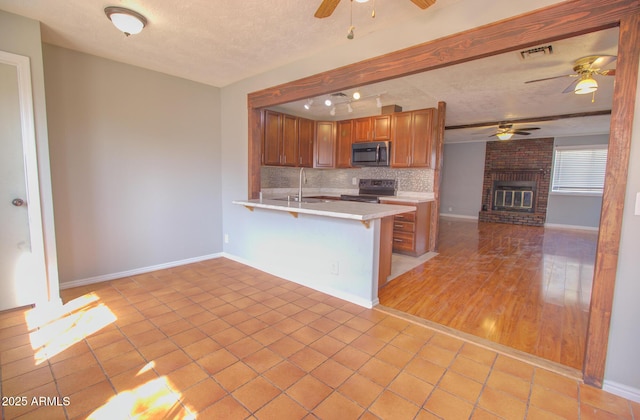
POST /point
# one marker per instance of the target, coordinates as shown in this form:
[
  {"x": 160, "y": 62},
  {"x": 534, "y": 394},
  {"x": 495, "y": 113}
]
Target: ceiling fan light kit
[
  {"x": 584, "y": 69},
  {"x": 506, "y": 131},
  {"x": 505, "y": 136},
  {"x": 126, "y": 20},
  {"x": 586, "y": 85}
]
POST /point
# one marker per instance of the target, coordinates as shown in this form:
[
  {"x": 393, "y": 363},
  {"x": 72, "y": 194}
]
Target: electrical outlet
[
  {"x": 226, "y": 238},
  {"x": 354, "y": 181},
  {"x": 638, "y": 204},
  {"x": 335, "y": 268},
  {"x": 450, "y": 209}
]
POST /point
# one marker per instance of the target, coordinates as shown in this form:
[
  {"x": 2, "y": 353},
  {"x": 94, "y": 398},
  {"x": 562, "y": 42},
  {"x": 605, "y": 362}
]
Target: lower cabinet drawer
[
  {"x": 400, "y": 226},
  {"x": 406, "y": 217},
  {"x": 403, "y": 241}
]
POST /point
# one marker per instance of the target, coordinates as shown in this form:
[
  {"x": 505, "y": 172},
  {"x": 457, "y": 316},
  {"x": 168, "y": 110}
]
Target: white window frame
[{"x": 567, "y": 190}]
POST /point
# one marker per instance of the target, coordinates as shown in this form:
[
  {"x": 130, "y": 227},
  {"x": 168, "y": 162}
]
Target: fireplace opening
[{"x": 517, "y": 196}]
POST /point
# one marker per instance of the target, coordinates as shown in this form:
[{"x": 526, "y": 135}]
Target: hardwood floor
[{"x": 524, "y": 287}]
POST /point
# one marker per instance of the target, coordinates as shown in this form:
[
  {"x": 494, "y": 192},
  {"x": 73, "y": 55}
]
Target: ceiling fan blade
[
  {"x": 326, "y": 8},
  {"x": 611, "y": 72},
  {"x": 520, "y": 132},
  {"x": 423, "y": 4},
  {"x": 602, "y": 61},
  {"x": 529, "y": 128},
  {"x": 551, "y": 78},
  {"x": 571, "y": 87}
]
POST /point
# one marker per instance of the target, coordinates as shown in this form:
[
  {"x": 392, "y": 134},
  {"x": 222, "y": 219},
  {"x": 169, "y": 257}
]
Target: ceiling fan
[
  {"x": 506, "y": 131},
  {"x": 585, "y": 68},
  {"x": 328, "y": 6}
]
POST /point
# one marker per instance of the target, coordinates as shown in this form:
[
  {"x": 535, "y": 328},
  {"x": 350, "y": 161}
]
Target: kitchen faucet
[{"x": 301, "y": 177}]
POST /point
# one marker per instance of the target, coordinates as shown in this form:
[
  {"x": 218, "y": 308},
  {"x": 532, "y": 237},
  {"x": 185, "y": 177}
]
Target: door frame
[
  {"x": 29, "y": 153},
  {"x": 558, "y": 21}
]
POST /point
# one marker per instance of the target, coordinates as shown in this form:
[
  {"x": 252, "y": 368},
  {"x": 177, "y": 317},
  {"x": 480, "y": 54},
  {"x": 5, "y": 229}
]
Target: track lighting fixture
[
  {"x": 378, "y": 102},
  {"x": 349, "y": 108},
  {"x": 307, "y": 106},
  {"x": 333, "y": 111},
  {"x": 356, "y": 95},
  {"x": 327, "y": 102}
]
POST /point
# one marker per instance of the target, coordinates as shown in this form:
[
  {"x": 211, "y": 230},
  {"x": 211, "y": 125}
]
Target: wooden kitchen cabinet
[
  {"x": 361, "y": 129},
  {"x": 411, "y": 231},
  {"x": 376, "y": 128},
  {"x": 272, "y": 141},
  {"x": 288, "y": 140},
  {"x": 290, "y": 155},
  {"x": 325, "y": 144},
  {"x": 381, "y": 127},
  {"x": 412, "y": 138},
  {"x": 306, "y": 129},
  {"x": 280, "y": 146},
  {"x": 344, "y": 139}
]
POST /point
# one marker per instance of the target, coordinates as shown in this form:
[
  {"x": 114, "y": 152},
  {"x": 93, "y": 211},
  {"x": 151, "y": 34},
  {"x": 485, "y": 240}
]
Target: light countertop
[
  {"x": 421, "y": 198},
  {"x": 338, "y": 209}
]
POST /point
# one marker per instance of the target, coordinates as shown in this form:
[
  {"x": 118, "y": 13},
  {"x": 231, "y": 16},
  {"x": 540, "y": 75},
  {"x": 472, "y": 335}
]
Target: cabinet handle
[
  {"x": 397, "y": 240},
  {"x": 398, "y": 225}
]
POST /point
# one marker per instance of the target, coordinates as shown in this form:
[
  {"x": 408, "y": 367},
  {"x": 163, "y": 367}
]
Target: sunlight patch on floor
[
  {"x": 55, "y": 329},
  {"x": 154, "y": 399}
]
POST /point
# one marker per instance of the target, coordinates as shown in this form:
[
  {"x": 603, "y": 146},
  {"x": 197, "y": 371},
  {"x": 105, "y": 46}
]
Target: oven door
[{"x": 370, "y": 153}]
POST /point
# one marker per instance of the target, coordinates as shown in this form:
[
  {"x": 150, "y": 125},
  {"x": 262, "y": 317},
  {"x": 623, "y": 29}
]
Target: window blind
[{"x": 579, "y": 169}]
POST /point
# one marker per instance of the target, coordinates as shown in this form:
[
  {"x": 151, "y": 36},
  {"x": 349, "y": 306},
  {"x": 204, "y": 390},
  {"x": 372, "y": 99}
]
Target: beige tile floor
[{"x": 218, "y": 340}]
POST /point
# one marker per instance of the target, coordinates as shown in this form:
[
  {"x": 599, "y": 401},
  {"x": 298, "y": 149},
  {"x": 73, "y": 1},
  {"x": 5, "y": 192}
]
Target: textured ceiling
[
  {"x": 229, "y": 40},
  {"x": 492, "y": 89},
  {"x": 219, "y": 42}
]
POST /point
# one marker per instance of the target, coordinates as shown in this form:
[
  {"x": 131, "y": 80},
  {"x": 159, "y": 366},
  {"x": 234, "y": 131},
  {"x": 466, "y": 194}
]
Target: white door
[{"x": 22, "y": 270}]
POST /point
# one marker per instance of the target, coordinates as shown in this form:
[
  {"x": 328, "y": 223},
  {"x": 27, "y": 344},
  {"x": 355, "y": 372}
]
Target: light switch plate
[{"x": 638, "y": 204}]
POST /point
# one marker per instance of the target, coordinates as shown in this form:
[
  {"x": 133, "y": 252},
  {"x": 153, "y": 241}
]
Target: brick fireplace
[{"x": 517, "y": 175}]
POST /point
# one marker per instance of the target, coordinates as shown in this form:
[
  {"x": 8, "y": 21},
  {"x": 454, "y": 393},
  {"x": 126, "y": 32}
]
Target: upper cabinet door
[
  {"x": 401, "y": 139},
  {"x": 305, "y": 142},
  {"x": 422, "y": 137},
  {"x": 290, "y": 155},
  {"x": 325, "y": 144},
  {"x": 343, "y": 146},
  {"x": 381, "y": 127},
  {"x": 272, "y": 138},
  {"x": 362, "y": 130}
]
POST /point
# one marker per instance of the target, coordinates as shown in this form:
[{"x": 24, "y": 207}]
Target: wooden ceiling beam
[{"x": 529, "y": 120}]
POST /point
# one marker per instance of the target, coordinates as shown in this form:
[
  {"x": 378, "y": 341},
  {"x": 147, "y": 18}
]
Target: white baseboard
[
  {"x": 621, "y": 390},
  {"x": 576, "y": 227},
  {"x": 135, "y": 271},
  {"x": 328, "y": 290},
  {"x": 459, "y": 216}
]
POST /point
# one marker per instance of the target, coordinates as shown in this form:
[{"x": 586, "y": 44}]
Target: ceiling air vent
[{"x": 536, "y": 52}]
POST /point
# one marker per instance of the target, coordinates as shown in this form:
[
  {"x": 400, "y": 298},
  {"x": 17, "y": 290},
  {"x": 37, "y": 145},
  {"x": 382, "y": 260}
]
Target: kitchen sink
[{"x": 294, "y": 199}]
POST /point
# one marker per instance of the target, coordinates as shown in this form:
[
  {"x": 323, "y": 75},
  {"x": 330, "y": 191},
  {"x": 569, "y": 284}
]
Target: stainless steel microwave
[{"x": 375, "y": 153}]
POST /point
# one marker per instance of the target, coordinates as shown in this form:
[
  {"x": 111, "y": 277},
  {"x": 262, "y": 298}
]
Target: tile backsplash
[{"x": 409, "y": 180}]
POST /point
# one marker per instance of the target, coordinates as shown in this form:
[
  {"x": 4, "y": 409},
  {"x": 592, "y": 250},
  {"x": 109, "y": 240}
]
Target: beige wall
[{"x": 135, "y": 160}]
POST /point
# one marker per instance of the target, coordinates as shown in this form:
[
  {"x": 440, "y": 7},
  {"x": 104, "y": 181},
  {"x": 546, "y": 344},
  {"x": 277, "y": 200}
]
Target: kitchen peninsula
[{"x": 341, "y": 248}]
